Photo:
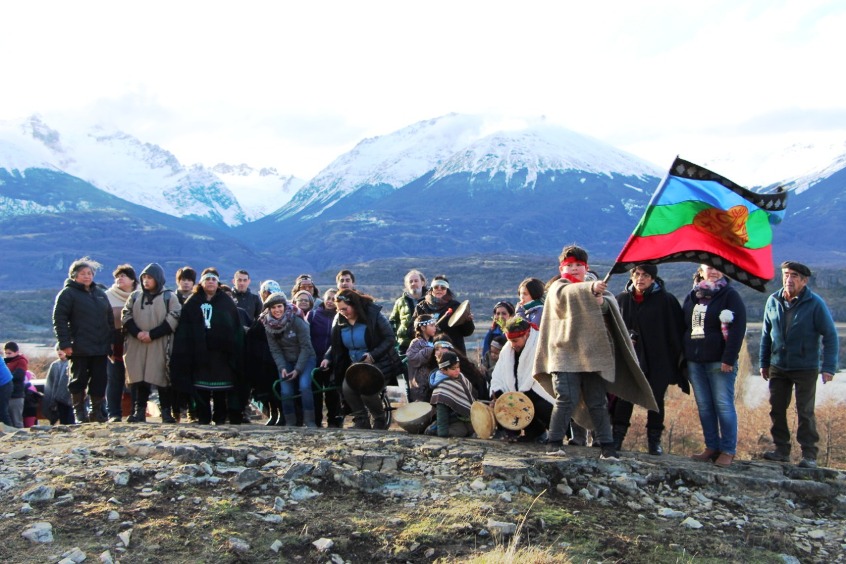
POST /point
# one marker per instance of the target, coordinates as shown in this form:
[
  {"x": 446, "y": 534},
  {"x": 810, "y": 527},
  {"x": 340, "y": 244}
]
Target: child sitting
[
  {"x": 452, "y": 396},
  {"x": 418, "y": 355}
]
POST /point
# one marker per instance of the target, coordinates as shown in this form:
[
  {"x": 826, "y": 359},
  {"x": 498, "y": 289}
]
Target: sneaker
[
  {"x": 776, "y": 456},
  {"x": 807, "y": 463},
  {"x": 608, "y": 452}
]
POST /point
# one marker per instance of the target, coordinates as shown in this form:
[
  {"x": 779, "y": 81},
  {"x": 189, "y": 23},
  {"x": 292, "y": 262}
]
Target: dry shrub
[{"x": 683, "y": 432}]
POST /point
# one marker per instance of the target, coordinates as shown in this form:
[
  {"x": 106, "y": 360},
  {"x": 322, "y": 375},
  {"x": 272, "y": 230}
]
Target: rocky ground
[{"x": 185, "y": 493}]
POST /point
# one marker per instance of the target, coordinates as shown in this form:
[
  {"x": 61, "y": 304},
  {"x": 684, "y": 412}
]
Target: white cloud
[{"x": 292, "y": 85}]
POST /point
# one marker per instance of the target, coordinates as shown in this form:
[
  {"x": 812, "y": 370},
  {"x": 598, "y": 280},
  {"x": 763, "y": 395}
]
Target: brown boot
[
  {"x": 724, "y": 460},
  {"x": 707, "y": 455}
]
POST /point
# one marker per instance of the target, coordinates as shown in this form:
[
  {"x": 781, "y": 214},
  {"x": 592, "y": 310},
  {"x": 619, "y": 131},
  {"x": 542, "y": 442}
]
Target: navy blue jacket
[
  {"x": 713, "y": 348},
  {"x": 797, "y": 347}
]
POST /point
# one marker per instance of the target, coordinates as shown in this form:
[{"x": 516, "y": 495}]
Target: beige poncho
[{"x": 575, "y": 336}]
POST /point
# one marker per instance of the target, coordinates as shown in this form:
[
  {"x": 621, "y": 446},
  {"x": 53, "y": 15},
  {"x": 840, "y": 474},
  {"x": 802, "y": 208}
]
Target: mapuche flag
[{"x": 699, "y": 216}]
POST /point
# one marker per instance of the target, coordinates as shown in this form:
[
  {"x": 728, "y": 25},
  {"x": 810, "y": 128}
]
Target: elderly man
[
  {"x": 795, "y": 321},
  {"x": 414, "y": 290}
]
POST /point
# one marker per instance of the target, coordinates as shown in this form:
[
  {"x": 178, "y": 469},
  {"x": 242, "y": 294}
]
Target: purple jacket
[{"x": 320, "y": 322}]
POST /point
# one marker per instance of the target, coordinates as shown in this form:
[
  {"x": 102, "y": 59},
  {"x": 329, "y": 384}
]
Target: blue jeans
[
  {"x": 714, "y": 391},
  {"x": 300, "y": 385}
]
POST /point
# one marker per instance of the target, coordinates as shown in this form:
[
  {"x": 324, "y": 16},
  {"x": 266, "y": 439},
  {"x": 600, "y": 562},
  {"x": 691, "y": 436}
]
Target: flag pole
[{"x": 629, "y": 241}]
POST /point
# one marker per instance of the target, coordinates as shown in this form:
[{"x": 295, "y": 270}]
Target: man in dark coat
[
  {"x": 84, "y": 325},
  {"x": 655, "y": 322},
  {"x": 245, "y": 299}
]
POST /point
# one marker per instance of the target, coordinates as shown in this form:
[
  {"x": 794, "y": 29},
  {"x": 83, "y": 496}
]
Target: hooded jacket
[{"x": 157, "y": 313}]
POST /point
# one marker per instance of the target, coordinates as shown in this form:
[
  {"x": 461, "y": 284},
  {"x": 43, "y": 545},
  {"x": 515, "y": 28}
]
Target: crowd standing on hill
[{"x": 577, "y": 356}]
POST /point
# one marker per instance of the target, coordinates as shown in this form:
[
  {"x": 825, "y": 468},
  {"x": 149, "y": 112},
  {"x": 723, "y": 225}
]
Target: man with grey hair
[
  {"x": 796, "y": 323},
  {"x": 414, "y": 289},
  {"x": 84, "y": 324}
]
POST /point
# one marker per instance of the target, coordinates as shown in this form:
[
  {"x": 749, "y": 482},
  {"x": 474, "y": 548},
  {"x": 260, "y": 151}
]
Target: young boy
[{"x": 452, "y": 396}]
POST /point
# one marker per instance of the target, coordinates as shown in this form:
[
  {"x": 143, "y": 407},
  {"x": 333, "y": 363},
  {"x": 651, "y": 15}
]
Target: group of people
[{"x": 582, "y": 356}]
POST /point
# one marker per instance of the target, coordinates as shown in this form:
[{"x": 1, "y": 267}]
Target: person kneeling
[{"x": 452, "y": 396}]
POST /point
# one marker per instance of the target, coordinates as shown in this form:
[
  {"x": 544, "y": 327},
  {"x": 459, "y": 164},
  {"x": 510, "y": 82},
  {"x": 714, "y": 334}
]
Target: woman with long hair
[
  {"x": 440, "y": 303},
  {"x": 715, "y": 320},
  {"x": 361, "y": 333},
  {"x": 530, "y": 307}
]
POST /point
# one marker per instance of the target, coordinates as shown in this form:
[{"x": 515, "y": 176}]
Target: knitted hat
[
  {"x": 275, "y": 298},
  {"x": 270, "y": 286},
  {"x": 650, "y": 269},
  {"x": 305, "y": 293}
]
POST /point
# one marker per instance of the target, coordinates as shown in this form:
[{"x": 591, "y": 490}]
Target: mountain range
[{"x": 452, "y": 186}]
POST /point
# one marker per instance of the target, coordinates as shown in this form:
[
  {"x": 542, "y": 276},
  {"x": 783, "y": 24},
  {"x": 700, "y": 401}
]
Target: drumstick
[{"x": 446, "y": 314}]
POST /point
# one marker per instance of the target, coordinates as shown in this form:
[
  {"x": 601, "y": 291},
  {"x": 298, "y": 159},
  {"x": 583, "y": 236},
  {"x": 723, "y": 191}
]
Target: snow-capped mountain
[
  {"x": 452, "y": 144},
  {"x": 122, "y": 165},
  {"x": 466, "y": 186},
  {"x": 259, "y": 191}
]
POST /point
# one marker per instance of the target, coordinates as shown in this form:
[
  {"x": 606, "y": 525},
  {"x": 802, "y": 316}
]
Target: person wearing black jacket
[
  {"x": 84, "y": 326},
  {"x": 655, "y": 322},
  {"x": 208, "y": 352},
  {"x": 361, "y": 333},
  {"x": 440, "y": 303},
  {"x": 244, "y": 299}
]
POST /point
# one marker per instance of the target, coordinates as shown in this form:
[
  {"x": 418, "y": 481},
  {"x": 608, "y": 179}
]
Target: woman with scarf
[
  {"x": 150, "y": 318},
  {"x": 715, "y": 324},
  {"x": 441, "y": 304},
  {"x": 361, "y": 333},
  {"x": 125, "y": 283},
  {"x": 530, "y": 307},
  {"x": 208, "y": 351},
  {"x": 289, "y": 341}
]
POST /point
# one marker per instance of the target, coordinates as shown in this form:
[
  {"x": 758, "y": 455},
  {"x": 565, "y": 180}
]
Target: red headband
[
  {"x": 517, "y": 334},
  {"x": 572, "y": 260}
]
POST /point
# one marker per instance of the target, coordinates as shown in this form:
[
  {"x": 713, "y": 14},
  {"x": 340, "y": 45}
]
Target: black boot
[
  {"x": 618, "y": 432},
  {"x": 98, "y": 412},
  {"x": 166, "y": 405},
  {"x": 142, "y": 394},
  {"x": 653, "y": 439}
]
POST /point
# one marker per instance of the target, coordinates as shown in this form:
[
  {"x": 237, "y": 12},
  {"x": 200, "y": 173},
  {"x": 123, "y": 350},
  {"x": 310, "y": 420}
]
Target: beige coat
[
  {"x": 147, "y": 362},
  {"x": 575, "y": 336}
]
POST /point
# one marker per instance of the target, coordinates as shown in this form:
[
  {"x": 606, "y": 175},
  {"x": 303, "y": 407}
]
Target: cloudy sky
[{"x": 295, "y": 84}]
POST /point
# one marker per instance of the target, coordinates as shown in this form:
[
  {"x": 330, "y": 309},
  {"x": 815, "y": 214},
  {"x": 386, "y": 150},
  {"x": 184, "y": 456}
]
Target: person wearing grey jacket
[
  {"x": 57, "y": 403},
  {"x": 289, "y": 341}
]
